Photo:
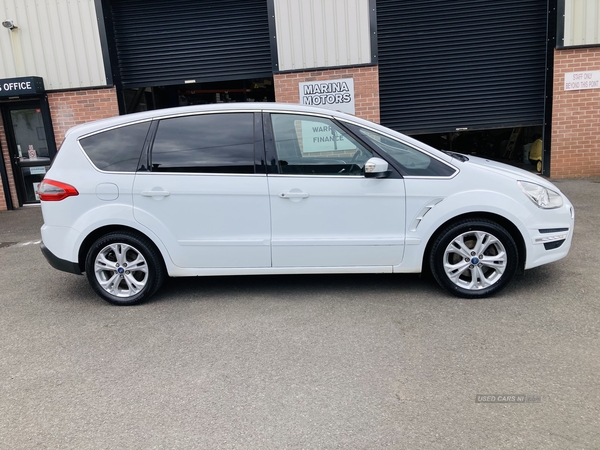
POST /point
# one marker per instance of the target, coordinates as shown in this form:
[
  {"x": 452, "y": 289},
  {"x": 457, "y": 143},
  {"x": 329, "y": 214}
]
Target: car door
[
  {"x": 324, "y": 211},
  {"x": 205, "y": 195}
]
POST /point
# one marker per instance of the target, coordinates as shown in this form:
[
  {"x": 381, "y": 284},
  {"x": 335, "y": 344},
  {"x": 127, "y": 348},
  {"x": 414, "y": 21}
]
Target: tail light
[{"x": 54, "y": 191}]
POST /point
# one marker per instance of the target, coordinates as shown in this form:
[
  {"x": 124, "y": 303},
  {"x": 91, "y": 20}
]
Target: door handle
[
  {"x": 156, "y": 193},
  {"x": 295, "y": 193}
]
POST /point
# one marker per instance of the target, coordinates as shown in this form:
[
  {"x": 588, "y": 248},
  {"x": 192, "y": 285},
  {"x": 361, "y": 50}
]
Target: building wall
[
  {"x": 11, "y": 180},
  {"x": 322, "y": 33},
  {"x": 76, "y": 107},
  {"x": 582, "y": 23},
  {"x": 575, "y": 117},
  {"x": 57, "y": 40},
  {"x": 366, "y": 87}
]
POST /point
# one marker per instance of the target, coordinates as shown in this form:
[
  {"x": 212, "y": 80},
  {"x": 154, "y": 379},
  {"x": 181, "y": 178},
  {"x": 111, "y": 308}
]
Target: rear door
[{"x": 205, "y": 194}]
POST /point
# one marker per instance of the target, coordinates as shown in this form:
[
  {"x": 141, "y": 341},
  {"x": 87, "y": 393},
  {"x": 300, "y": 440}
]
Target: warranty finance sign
[{"x": 331, "y": 94}]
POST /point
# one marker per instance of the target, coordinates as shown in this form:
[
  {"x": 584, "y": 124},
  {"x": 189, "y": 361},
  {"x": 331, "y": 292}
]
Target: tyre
[
  {"x": 124, "y": 268},
  {"x": 474, "y": 258}
]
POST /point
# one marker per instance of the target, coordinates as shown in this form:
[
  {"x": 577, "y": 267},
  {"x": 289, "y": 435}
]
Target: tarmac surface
[{"x": 311, "y": 362}]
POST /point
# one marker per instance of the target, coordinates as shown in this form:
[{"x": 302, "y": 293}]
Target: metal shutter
[
  {"x": 166, "y": 42},
  {"x": 474, "y": 64}
]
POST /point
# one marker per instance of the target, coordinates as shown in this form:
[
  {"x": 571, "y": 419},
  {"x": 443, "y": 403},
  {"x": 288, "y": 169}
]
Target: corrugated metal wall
[
  {"x": 322, "y": 33},
  {"x": 582, "y": 22},
  {"x": 57, "y": 40}
]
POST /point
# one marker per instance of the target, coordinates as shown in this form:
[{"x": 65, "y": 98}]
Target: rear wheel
[
  {"x": 124, "y": 268},
  {"x": 474, "y": 258}
]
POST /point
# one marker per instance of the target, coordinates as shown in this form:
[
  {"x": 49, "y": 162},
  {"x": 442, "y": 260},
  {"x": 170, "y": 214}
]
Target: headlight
[{"x": 543, "y": 197}]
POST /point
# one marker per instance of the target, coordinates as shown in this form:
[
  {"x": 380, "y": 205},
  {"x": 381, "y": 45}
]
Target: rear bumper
[{"x": 60, "y": 264}]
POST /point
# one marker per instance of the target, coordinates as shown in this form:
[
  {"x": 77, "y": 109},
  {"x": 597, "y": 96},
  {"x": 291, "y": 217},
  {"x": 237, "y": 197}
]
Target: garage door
[
  {"x": 168, "y": 42},
  {"x": 474, "y": 64}
]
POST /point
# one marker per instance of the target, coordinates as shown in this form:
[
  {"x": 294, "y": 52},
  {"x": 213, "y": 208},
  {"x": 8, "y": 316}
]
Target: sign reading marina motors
[
  {"x": 14, "y": 87},
  {"x": 331, "y": 94}
]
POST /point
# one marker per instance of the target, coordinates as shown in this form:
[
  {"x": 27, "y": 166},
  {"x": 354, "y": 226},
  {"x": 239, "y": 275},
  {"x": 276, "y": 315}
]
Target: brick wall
[
  {"x": 575, "y": 118},
  {"x": 67, "y": 109},
  {"x": 366, "y": 87},
  {"x": 76, "y": 107},
  {"x": 11, "y": 179}
]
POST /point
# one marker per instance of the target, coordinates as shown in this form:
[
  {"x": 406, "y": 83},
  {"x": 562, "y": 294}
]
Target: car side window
[
  {"x": 412, "y": 161},
  {"x": 308, "y": 145},
  {"x": 205, "y": 143},
  {"x": 116, "y": 150}
]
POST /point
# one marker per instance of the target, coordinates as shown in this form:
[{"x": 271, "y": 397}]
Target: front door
[
  {"x": 324, "y": 212},
  {"x": 28, "y": 147}
]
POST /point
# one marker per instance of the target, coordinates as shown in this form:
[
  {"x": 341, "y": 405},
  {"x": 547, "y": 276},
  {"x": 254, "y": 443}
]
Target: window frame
[
  {"x": 392, "y": 162},
  {"x": 271, "y": 150},
  {"x": 141, "y": 158},
  {"x": 258, "y": 147}
]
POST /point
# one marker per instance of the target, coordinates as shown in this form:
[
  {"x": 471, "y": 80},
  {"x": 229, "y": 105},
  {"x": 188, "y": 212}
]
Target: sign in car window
[
  {"x": 331, "y": 94},
  {"x": 321, "y": 137}
]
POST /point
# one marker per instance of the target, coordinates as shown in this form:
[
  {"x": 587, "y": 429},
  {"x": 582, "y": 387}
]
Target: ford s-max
[{"x": 266, "y": 188}]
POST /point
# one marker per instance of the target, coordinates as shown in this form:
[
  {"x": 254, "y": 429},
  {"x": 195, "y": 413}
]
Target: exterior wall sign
[
  {"x": 13, "y": 87},
  {"x": 575, "y": 81},
  {"x": 331, "y": 94}
]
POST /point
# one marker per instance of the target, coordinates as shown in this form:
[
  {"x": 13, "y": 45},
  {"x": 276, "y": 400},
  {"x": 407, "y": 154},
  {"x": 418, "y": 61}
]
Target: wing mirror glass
[{"x": 376, "y": 168}]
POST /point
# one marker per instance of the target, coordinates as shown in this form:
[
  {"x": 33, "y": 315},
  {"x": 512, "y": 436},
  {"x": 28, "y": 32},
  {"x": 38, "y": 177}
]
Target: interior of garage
[
  {"x": 518, "y": 146},
  {"x": 234, "y": 91}
]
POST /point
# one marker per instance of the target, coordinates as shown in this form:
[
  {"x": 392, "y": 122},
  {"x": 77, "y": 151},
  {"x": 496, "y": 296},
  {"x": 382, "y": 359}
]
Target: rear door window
[{"x": 206, "y": 143}]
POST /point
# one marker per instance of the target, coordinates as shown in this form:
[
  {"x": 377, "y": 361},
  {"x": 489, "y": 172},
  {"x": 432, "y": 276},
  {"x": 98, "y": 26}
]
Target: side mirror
[{"x": 376, "y": 168}]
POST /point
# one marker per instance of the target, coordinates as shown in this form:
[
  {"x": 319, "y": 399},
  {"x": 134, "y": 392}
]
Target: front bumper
[{"x": 550, "y": 235}]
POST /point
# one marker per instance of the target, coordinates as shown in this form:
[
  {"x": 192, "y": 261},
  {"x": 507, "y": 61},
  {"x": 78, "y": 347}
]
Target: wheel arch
[
  {"x": 500, "y": 220},
  {"x": 99, "y": 232}
]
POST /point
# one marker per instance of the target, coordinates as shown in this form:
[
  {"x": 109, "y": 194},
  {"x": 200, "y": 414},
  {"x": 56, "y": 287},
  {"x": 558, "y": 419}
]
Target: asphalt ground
[{"x": 307, "y": 362}]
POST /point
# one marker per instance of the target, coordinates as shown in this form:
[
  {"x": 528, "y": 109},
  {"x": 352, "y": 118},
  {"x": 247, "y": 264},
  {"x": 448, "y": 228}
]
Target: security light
[{"x": 9, "y": 24}]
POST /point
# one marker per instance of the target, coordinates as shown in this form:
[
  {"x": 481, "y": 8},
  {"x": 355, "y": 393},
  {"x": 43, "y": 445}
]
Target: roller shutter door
[
  {"x": 476, "y": 64},
  {"x": 167, "y": 42}
]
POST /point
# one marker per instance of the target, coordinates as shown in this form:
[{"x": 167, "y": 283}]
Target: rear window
[{"x": 117, "y": 150}]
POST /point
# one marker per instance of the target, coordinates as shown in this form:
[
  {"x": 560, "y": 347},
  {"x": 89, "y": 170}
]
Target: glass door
[{"x": 28, "y": 147}]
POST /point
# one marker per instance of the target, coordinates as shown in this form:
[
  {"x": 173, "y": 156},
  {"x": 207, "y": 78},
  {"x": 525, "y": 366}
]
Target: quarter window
[
  {"x": 207, "y": 143},
  {"x": 117, "y": 150},
  {"x": 308, "y": 145},
  {"x": 412, "y": 161}
]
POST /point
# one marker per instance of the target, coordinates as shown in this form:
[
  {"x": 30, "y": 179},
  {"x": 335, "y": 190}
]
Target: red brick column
[
  {"x": 366, "y": 87},
  {"x": 76, "y": 107},
  {"x": 575, "y": 118},
  {"x": 11, "y": 179}
]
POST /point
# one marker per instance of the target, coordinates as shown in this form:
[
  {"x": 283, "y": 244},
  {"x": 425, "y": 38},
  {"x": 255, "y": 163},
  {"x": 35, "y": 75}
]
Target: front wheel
[
  {"x": 474, "y": 258},
  {"x": 124, "y": 268}
]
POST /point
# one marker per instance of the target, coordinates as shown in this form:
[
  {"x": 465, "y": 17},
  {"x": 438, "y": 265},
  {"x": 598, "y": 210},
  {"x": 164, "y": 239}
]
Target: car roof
[{"x": 98, "y": 125}]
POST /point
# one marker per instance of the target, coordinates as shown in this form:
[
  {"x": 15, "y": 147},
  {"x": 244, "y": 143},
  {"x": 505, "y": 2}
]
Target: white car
[{"x": 266, "y": 188}]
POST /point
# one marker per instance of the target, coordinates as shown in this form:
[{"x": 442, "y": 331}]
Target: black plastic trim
[
  {"x": 373, "y": 31},
  {"x": 552, "y": 230},
  {"x": 553, "y": 245},
  {"x": 60, "y": 264}
]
